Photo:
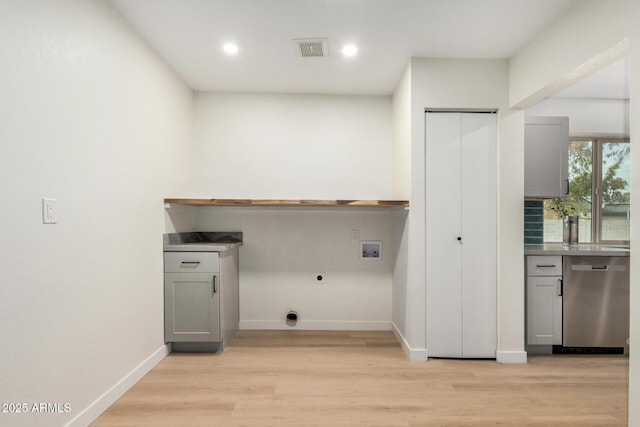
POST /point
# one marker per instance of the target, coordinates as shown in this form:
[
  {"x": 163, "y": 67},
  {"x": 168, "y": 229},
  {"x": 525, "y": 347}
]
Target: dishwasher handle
[
  {"x": 590, "y": 267},
  {"x": 598, "y": 267}
]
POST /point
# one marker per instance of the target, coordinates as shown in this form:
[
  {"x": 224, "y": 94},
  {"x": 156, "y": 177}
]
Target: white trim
[
  {"x": 415, "y": 355},
  {"x": 317, "y": 325},
  {"x": 511, "y": 356},
  {"x": 108, "y": 398}
]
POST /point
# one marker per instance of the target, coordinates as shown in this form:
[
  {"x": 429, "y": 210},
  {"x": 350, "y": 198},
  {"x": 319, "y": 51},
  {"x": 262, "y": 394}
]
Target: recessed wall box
[{"x": 370, "y": 249}]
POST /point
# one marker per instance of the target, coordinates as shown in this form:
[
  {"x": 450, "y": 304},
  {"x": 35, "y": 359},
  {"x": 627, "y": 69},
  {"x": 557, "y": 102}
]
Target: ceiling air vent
[{"x": 311, "y": 48}]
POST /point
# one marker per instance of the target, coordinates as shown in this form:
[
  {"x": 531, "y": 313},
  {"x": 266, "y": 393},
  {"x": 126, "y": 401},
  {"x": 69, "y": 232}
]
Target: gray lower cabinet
[
  {"x": 201, "y": 299},
  {"x": 544, "y": 300},
  {"x": 192, "y": 307}
]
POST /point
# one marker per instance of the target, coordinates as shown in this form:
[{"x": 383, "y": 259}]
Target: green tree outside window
[{"x": 612, "y": 180}]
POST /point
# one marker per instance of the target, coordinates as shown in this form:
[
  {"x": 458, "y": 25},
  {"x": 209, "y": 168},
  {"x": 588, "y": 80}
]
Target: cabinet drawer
[
  {"x": 191, "y": 262},
  {"x": 544, "y": 266}
]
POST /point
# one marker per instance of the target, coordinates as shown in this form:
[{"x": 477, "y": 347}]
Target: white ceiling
[{"x": 189, "y": 35}]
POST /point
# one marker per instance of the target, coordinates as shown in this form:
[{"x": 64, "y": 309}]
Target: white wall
[
  {"x": 284, "y": 248},
  {"x": 179, "y": 218},
  {"x": 266, "y": 146},
  {"x": 90, "y": 117},
  {"x": 293, "y": 146},
  {"x": 402, "y": 190},
  {"x": 561, "y": 56},
  {"x": 588, "y": 36},
  {"x": 634, "y": 82},
  {"x": 401, "y": 113},
  {"x": 510, "y": 238},
  {"x": 588, "y": 117},
  {"x": 445, "y": 83},
  {"x": 400, "y": 240}
]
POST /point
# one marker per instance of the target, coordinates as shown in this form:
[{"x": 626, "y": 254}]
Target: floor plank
[{"x": 312, "y": 378}]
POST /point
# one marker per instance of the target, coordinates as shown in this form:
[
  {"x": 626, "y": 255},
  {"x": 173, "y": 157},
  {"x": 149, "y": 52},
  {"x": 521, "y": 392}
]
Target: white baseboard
[
  {"x": 108, "y": 398},
  {"x": 415, "y": 355},
  {"x": 317, "y": 325},
  {"x": 511, "y": 356}
]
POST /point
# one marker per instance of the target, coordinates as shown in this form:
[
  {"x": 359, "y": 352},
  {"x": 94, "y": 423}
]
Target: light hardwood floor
[{"x": 298, "y": 378}]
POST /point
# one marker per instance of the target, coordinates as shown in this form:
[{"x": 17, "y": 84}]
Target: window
[{"x": 599, "y": 195}]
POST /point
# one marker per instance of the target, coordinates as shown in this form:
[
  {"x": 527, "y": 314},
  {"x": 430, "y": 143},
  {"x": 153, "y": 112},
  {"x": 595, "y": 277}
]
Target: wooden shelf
[{"x": 290, "y": 203}]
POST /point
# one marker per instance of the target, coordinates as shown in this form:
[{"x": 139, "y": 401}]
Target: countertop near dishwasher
[
  {"x": 202, "y": 241},
  {"x": 583, "y": 249}
]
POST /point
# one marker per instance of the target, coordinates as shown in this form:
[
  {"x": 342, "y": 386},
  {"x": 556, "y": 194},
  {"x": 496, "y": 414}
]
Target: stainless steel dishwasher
[{"x": 595, "y": 307}]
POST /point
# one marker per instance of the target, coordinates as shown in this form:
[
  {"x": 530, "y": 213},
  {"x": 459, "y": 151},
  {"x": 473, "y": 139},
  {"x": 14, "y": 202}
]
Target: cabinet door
[
  {"x": 544, "y": 310},
  {"x": 478, "y": 222},
  {"x": 443, "y": 227},
  {"x": 546, "y": 151},
  {"x": 192, "y": 307}
]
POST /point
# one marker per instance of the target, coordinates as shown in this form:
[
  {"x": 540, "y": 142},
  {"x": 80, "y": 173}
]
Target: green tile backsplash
[{"x": 533, "y": 221}]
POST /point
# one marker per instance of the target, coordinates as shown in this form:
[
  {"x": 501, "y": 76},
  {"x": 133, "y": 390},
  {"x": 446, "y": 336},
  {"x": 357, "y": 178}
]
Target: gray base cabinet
[
  {"x": 544, "y": 300},
  {"x": 192, "y": 307},
  {"x": 201, "y": 297}
]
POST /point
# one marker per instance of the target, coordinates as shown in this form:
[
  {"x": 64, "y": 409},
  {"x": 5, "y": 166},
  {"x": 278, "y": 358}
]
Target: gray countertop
[
  {"x": 202, "y": 241},
  {"x": 583, "y": 249}
]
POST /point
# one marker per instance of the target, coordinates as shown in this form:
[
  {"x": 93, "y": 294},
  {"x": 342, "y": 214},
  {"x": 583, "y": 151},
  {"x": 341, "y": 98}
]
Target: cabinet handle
[
  {"x": 560, "y": 287},
  {"x": 459, "y": 239},
  {"x": 213, "y": 286},
  {"x": 190, "y": 263},
  {"x": 545, "y": 265},
  {"x": 568, "y": 188}
]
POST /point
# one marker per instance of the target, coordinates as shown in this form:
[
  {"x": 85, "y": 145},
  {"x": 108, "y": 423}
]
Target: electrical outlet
[
  {"x": 49, "y": 211},
  {"x": 319, "y": 278}
]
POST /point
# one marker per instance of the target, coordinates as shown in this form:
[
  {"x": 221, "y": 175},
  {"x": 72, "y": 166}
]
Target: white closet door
[
  {"x": 478, "y": 195},
  {"x": 443, "y": 227}
]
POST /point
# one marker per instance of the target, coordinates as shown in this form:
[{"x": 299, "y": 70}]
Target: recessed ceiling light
[
  {"x": 349, "y": 50},
  {"x": 230, "y": 48}
]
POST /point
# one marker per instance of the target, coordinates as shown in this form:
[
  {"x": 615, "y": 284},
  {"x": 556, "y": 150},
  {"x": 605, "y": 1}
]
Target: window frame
[{"x": 596, "y": 184}]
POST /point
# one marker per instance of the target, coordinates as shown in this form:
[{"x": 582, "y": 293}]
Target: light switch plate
[{"x": 49, "y": 211}]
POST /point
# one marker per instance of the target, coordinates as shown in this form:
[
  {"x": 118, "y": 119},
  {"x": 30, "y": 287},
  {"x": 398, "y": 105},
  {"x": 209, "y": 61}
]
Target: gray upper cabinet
[{"x": 546, "y": 152}]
